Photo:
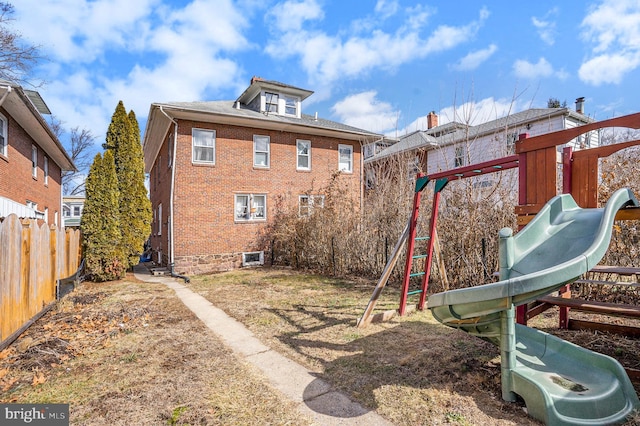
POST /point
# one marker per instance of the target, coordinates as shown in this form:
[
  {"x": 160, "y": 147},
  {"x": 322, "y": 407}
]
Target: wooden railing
[{"x": 32, "y": 259}]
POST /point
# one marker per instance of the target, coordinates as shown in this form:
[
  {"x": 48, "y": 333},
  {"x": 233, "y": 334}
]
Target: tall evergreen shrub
[{"x": 100, "y": 223}]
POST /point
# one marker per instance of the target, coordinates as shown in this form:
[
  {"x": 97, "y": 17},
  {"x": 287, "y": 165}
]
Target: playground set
[{"x": 561, "y": 238}]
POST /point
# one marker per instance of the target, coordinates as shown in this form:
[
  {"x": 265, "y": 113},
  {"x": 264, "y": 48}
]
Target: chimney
[
  {"x": 580, "y": 105},
  {"x": 255, "y": 78},
  {"x": 432, "y": 120}
]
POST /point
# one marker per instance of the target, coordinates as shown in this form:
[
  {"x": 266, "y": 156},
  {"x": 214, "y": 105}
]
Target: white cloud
[
  {"x": 96, "y": 54},
  {"x": 386, "y": 8},
  {"x": 607, "y": 68},
  {"x": 364, "y": 111},
  {"x": 546, "y": 28},
  {"x": 327, "y": 58},
  {"x": 473, "y": 60},
  {"x": 613, "y": 30},
  {"x": 542, "y": 69},
  {"x": 291, "y": 14},
  {"x": 78, "y": 30}
]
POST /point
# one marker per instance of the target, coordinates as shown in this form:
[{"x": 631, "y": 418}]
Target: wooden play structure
[{"x": 536, "y": 159}]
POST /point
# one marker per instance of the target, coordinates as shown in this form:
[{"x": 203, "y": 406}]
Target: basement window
[{"x": 254, "y": 258}]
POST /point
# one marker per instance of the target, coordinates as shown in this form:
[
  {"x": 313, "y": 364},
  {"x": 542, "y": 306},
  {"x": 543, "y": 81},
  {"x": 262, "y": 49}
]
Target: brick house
[
  {"x": 32, "y": 158},
  {"x": 218, "y": 170}
]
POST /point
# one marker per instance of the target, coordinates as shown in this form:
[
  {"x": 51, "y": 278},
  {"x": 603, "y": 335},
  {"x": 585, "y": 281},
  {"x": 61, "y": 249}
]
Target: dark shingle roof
[{"x": 229, "y": 108}]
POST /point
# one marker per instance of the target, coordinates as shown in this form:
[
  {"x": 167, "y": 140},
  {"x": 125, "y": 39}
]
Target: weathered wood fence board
[{"x": 32, "y": 259}]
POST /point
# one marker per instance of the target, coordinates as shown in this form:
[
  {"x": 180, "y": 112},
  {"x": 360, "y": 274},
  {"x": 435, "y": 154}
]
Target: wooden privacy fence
[{"x": 32, "y": 260}]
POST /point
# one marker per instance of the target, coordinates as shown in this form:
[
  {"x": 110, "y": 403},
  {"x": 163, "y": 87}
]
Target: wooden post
[{"x": 382, "y": 282}]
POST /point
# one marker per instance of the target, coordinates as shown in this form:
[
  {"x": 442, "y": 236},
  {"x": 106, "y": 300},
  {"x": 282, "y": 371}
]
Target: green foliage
[
  {"x": 100, "y": 223},
  {"x": 117, "y": 215},
  {"x": 555, "y": 103},
  {"x": 119, "y": 131},
  {"x": 123, "y": 138}
]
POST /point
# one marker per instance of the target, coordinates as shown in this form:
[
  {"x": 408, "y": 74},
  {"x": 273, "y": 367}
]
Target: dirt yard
[{"x": 131, "y": 353}]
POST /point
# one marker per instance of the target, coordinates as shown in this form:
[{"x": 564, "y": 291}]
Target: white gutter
[{"x": 173, "y": 180}]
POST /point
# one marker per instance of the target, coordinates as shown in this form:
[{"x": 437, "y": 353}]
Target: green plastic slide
[{"x": 561, "y": 383}]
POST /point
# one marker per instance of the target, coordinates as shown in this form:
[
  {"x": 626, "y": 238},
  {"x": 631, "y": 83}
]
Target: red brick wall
[
  {"x": 207, "y": 237},
  {"x": 18, "y": 184}
]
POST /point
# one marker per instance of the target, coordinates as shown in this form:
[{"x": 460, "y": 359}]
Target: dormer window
[
  {"x": 272, "y": 97},
  {"x": 271, "y": 102},
  {"x": 281, "y": 104},
  {"x": 290, "y": 106}
]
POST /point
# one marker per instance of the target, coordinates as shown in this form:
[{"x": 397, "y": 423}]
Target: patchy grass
[
  {"x": 412, "y": 370},
  {"x": 130, "y": 353}
]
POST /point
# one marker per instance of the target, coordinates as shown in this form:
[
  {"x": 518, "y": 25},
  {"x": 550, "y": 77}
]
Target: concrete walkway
[{"x": 314, "y": 397}]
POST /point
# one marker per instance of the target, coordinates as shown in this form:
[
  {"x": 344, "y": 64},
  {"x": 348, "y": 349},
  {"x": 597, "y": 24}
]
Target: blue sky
[{"x": 380, "y": 65}]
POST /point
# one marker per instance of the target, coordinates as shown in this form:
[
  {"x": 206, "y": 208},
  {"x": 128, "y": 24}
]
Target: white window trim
[
  {"x": 46, "y": 170},
  {"x": 313, "y": 202},
  {"x": 4, "y": 136},
  {"x": 298, "y": 155},
  {"x": 193, "y": 146},
  {"x": 458, "y": 160},
  {"x": 159, "y": 219},
  {"x": 249, "y": 215},
  {"x": 268, "y": 152},
  {"x": 34, "y": 161},
  {"x": 340, "y": 168},
  {"x": 296, "y": 103},
  {"x": 276, "y": 103},
  {"x": 259, "y": 262}
]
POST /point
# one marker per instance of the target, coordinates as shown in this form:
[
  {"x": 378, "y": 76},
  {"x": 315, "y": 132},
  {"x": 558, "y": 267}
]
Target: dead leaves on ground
[{"x": 76, "y": 327}]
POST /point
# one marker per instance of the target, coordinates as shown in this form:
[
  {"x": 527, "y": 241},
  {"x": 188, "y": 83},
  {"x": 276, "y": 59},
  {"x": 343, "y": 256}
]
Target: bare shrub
[
  {"x": 620, "y": 170},
  {"x": 471, "y": 215},
  {"x": 342, "y": 239}
]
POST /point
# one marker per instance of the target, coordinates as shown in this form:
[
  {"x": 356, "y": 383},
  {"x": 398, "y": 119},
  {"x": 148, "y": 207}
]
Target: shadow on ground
[{"x": 429, "y": 370}]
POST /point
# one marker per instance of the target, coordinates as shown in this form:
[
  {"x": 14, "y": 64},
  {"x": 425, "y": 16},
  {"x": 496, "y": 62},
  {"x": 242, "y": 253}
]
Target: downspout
[{"x": 171, "y": 192}]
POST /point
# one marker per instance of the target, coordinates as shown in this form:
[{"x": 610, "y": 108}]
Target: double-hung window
[
  {"x": 34, "y": 161},
  {"x": 4, "y": 137},
  {"x": 249, "y": 207},
  {"x": 45, "y": 166},
  {"x": 160, "y": 219},
  {"x": 271, "y": 102},
  {"x": 306, "y": 204},
  {"x": 512, "y": 138},
  {"x": 345, "y": 158},
  {"x": 204, "y": 146},
  {"x": 459, "y": 157},
  {"x": 304, "y": 154},
  {"x": 261, "y": 148},
  {"x": 290, "y": 106}
]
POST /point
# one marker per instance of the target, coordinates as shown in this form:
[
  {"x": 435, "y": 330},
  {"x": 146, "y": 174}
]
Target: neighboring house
[
  {"x": 454, "y": 144},
  {"x": 72, "y": 206},
  {"x": 32, "y": 158},
  {"x": 219, "y": 171}
]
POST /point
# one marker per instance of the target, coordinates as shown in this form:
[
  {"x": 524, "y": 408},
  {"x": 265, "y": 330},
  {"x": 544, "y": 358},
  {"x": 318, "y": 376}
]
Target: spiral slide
[{"x": 561, "y": 383}]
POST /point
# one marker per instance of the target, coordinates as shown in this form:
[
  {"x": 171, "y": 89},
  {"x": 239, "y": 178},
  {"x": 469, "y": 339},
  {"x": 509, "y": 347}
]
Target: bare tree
[
  {"x": 80, "y": 146},
  {"x": 81, "y": 143},
  {"x": 16, "y": 57}
]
